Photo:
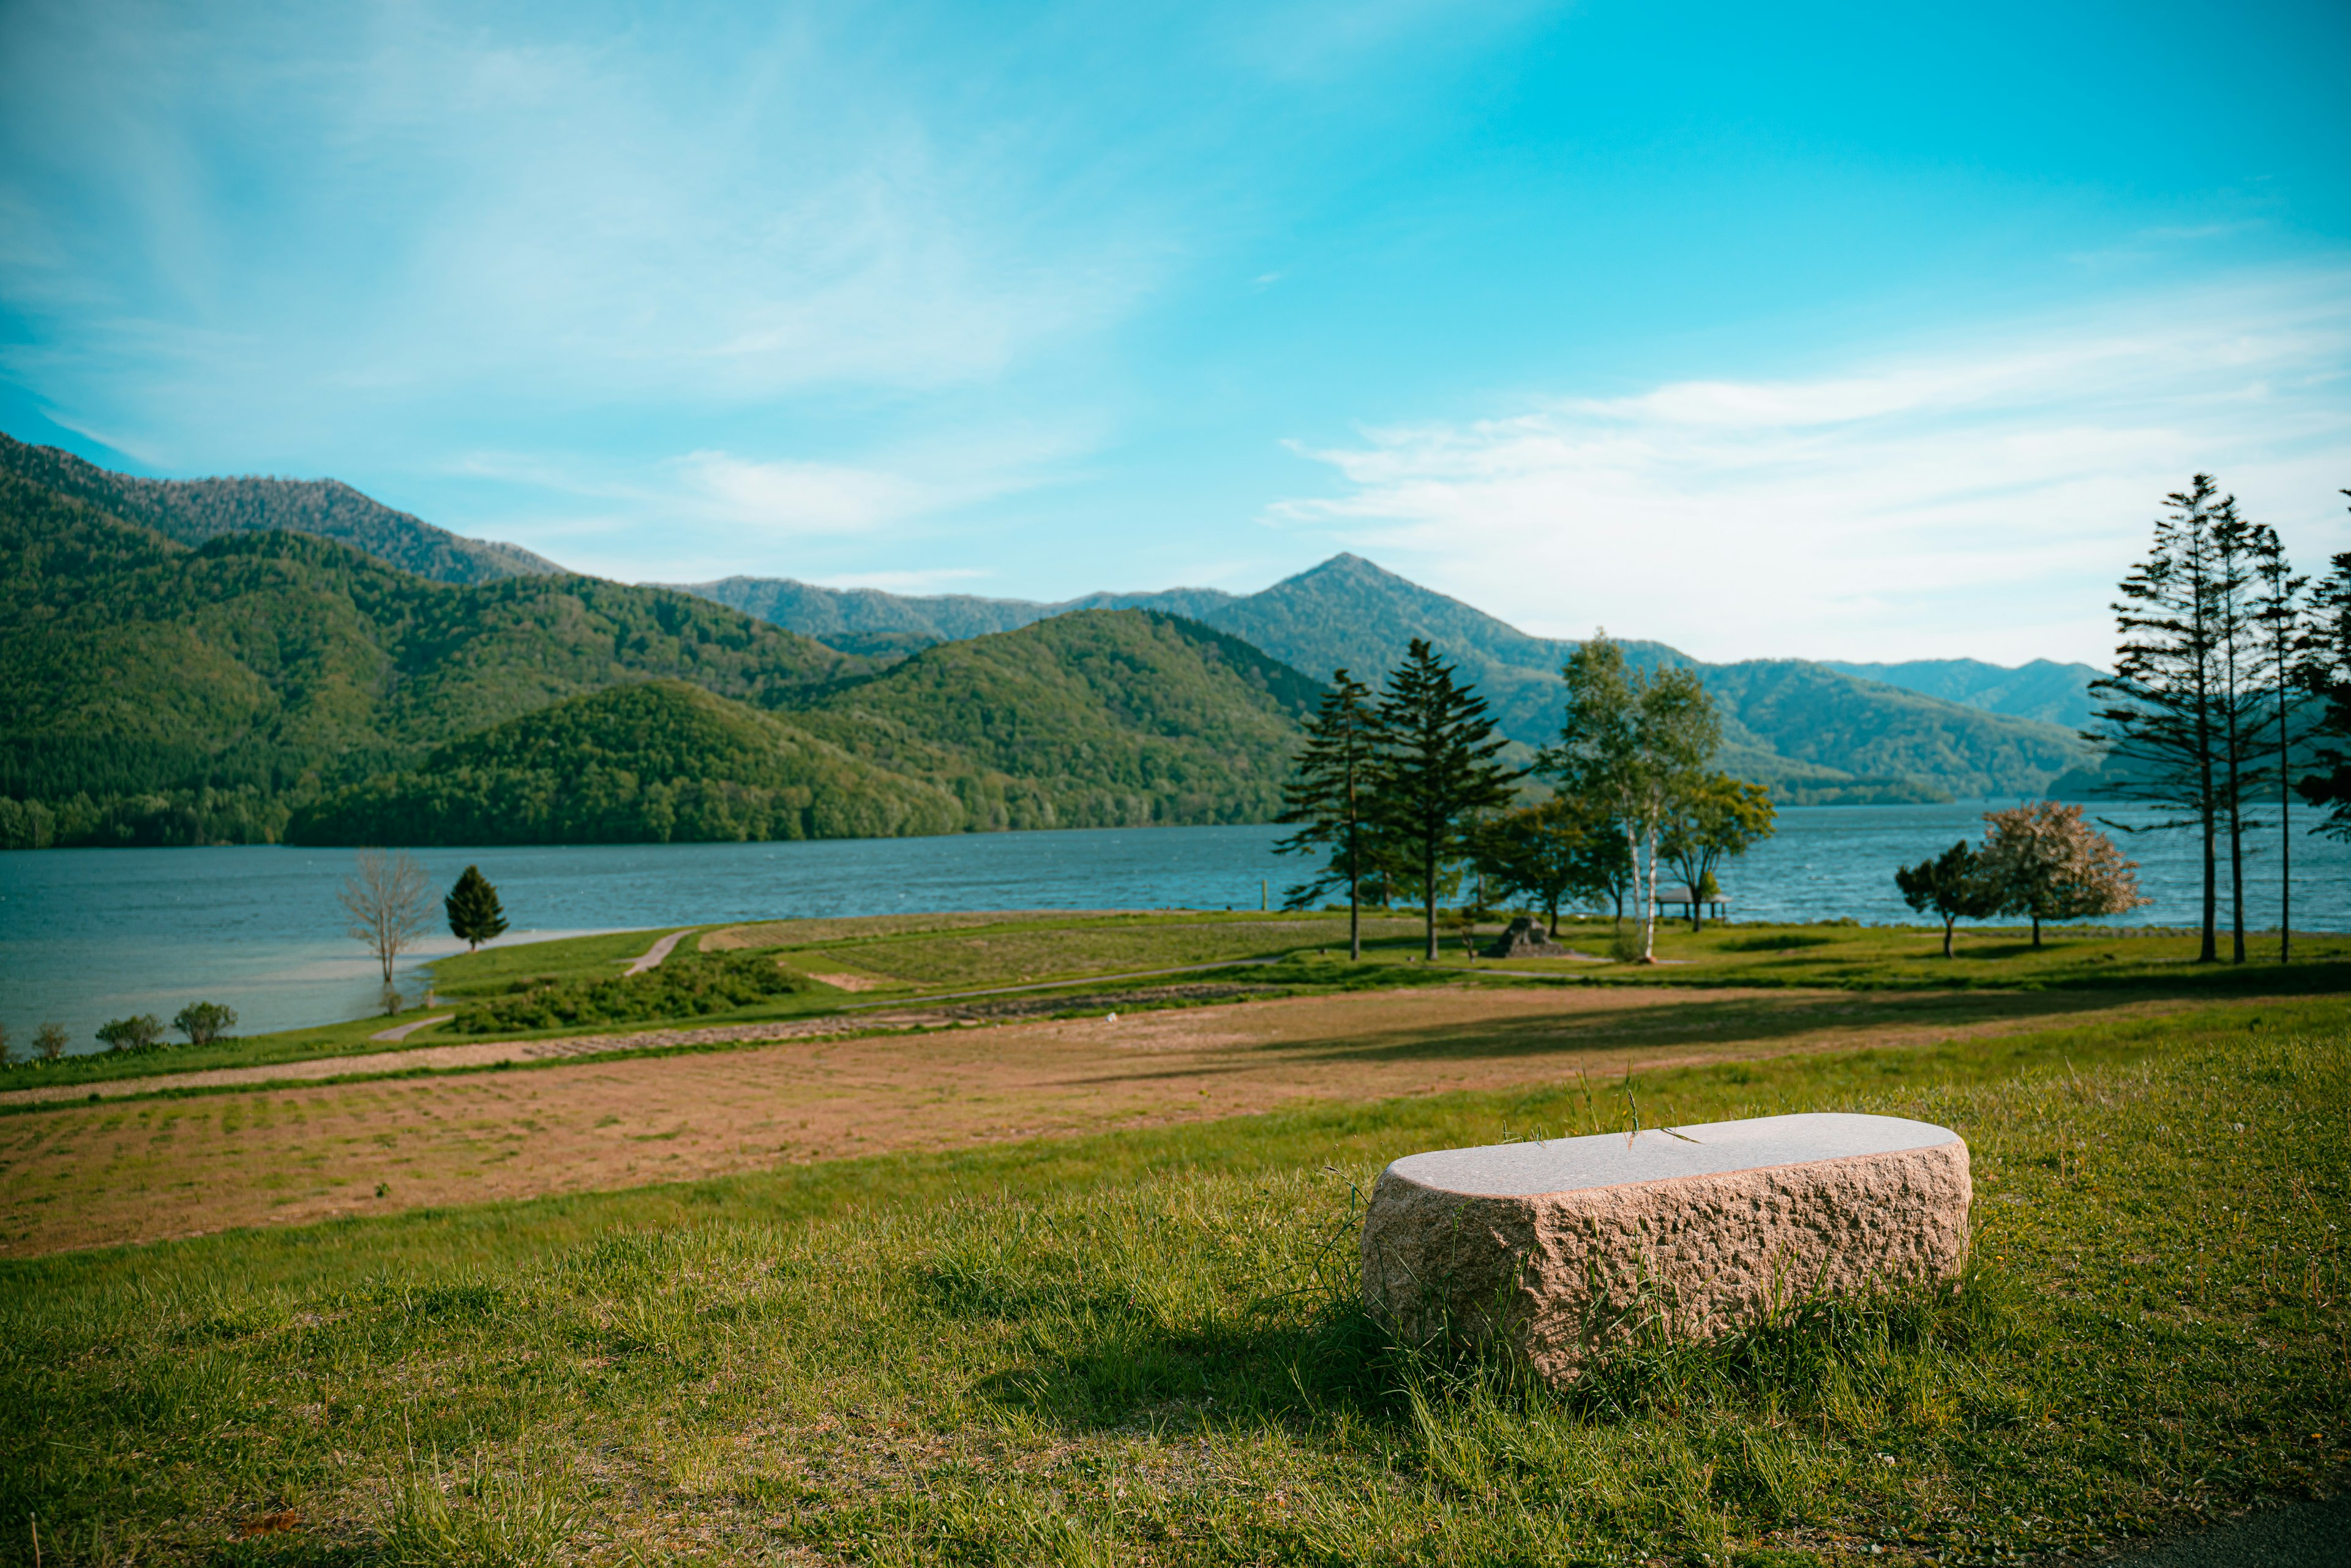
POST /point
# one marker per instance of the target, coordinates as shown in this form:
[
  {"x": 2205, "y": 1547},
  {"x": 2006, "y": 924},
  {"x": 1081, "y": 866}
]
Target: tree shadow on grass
[{"x": 1715, "y": 1027}]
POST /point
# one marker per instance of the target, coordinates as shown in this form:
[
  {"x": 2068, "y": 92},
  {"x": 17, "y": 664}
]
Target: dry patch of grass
[{"x": 83, "y": 1176}]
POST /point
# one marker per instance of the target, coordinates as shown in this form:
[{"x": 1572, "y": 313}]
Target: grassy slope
[{"x": 1143, "y": 1348}]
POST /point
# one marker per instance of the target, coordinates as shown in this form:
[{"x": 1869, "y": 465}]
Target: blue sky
[{"x": 1859, "y": 331}]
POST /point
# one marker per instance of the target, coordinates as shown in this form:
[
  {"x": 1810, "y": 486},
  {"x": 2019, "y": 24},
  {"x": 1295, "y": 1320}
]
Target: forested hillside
[
  {"x": 153, "y": 693},
  {"x": 655, "y": 762},
  {"x": 1815, "y": 734},
  {"x": 1103, "y": 719},
  {"x": 194, "y": 510}
]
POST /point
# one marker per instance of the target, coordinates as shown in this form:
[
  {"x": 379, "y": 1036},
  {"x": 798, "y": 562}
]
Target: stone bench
[{"x": 1571, "y": 1245}]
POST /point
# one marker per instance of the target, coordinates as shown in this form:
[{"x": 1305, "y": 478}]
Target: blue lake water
[{"x": 89, "y": 934}]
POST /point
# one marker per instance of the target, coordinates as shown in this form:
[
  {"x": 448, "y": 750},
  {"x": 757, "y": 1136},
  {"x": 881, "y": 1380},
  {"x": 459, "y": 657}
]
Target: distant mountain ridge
[
  {"x": 1815, "y": 733},
  {"x": 2051, "y": 691},
  {"x": 194, "y": 510}
]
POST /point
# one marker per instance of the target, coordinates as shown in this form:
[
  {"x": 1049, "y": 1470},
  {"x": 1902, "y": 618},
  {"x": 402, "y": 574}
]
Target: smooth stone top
[{"x": 1711, "y": 1148}]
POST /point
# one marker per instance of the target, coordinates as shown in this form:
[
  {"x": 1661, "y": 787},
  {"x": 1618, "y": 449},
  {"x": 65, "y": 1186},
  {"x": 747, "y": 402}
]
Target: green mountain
[
  {"x": 1107, "y": 718},
  {"x": 656, "y": 762},
  {"x": 1816, "y": 735},
  {"x": 154, "y": 693},
  {"x": 194, "y": 510},
  {"x": 263, "y": 682},
  {"x": 1096, "y": 719},
  {"x": 2051, "y": 691}
]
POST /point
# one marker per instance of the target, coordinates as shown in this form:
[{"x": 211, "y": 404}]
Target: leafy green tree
[
  {"x": 137, "y": 1032},
  {"x": 1632, "y": 747},
  {"x": 1552, "y": 853},
  {"x": 473, "y": 908},
  {"x": 1330, "y": 797},
  {"x": 204, "y": 1022},
  {"x": 1951, "y": 885},
  {"x": 2042, "y": 859},
  {"x": 1718, "y": 818},
  {"x": 50, "y": 1042},
  {"x": 1435, "y": 772}
]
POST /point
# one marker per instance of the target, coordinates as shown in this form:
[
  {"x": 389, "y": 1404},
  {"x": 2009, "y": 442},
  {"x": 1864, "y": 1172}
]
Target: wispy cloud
[
  {"x": 396, "y": 205},
  {"x": 1972, "y": 498}
]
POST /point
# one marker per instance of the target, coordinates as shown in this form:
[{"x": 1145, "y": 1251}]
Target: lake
[{"x": 89, "y": 935}]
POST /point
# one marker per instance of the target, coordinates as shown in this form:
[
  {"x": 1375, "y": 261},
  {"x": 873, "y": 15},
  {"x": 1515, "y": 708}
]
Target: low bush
[{"x": 689, "y": 985}]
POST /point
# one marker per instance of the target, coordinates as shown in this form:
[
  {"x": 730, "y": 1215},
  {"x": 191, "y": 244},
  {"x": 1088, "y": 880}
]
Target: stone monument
[
  {"x": 1570, "y": 1246},
  {"x": 1525, "y": 939}
]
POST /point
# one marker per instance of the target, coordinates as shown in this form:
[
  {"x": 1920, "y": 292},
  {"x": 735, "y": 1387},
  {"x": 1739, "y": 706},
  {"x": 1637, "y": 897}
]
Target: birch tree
[{"x": 1634, "y": 746}]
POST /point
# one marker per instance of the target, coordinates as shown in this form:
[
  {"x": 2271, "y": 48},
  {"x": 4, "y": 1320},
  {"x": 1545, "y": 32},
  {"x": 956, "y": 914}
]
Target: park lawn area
[
  {"x": 1145, "y": 1348},
  {"x": 865, "y": 960}
]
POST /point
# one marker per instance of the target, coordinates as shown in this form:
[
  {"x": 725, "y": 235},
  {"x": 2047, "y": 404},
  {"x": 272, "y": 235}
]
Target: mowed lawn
[
  {"x": 79, "y": 1175},
  {"x": 1143, "y": 1345}
]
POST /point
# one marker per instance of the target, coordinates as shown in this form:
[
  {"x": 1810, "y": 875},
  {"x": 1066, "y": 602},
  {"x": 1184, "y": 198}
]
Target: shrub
[
  {"x": 50, "y": 1042},
  {"x": 204, "y": 1022},
  {"x": 140, "y": 1031},
  {"x": 689, "y": 984}
]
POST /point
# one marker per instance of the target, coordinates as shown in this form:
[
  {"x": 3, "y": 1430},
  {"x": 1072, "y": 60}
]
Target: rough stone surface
[
  {"x": 1525, "y": 939},
  {"x": 1572, "y": 1245}
]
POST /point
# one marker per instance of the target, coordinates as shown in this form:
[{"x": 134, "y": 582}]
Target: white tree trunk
[{"x": 1649, "y": 909}]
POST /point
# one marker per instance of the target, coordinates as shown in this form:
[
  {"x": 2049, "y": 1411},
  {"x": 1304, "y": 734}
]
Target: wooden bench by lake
[{"x": 1574, "y": 1244}]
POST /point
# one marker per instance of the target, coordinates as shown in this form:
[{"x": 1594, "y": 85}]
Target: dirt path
[
  {"x": 83, "y": 1175},
  {"x": 652, "y": 957}
]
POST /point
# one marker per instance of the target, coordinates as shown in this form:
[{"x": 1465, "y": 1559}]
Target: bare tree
[{"x": 385, "y": 896}]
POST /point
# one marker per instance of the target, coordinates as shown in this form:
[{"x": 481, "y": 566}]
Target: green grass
[{"x": 1144, "y": 1349}]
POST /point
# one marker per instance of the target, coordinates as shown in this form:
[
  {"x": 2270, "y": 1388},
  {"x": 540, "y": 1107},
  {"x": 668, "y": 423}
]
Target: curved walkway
[{"x": 653, "y": 956}]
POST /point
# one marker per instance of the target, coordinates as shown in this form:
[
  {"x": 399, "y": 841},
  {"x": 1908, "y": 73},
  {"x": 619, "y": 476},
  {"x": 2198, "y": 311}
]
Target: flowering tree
[{"x": 2042, "y": 859}]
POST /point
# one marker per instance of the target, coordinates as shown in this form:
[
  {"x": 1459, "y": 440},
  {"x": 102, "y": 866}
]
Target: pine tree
[
  {"x": 2162, "y": 721},
  {"x": 1330, "y": 797},
  {"x": 1436, "y": 771},
  {"x": 2325, "y": 673},
  {"x": 473, "y": 914},
  {"x": 2282, "y": 638}
]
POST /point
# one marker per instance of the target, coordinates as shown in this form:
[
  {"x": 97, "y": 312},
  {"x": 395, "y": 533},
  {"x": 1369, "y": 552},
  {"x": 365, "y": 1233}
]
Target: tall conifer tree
[
  {"x": 473, "y": 914},
  {"x": 2162, "y": 717},
  {"x": 1437, "y": 770},
  {"x": 2282, "y": 638},
  {"x": 1330, "y": 797}
]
